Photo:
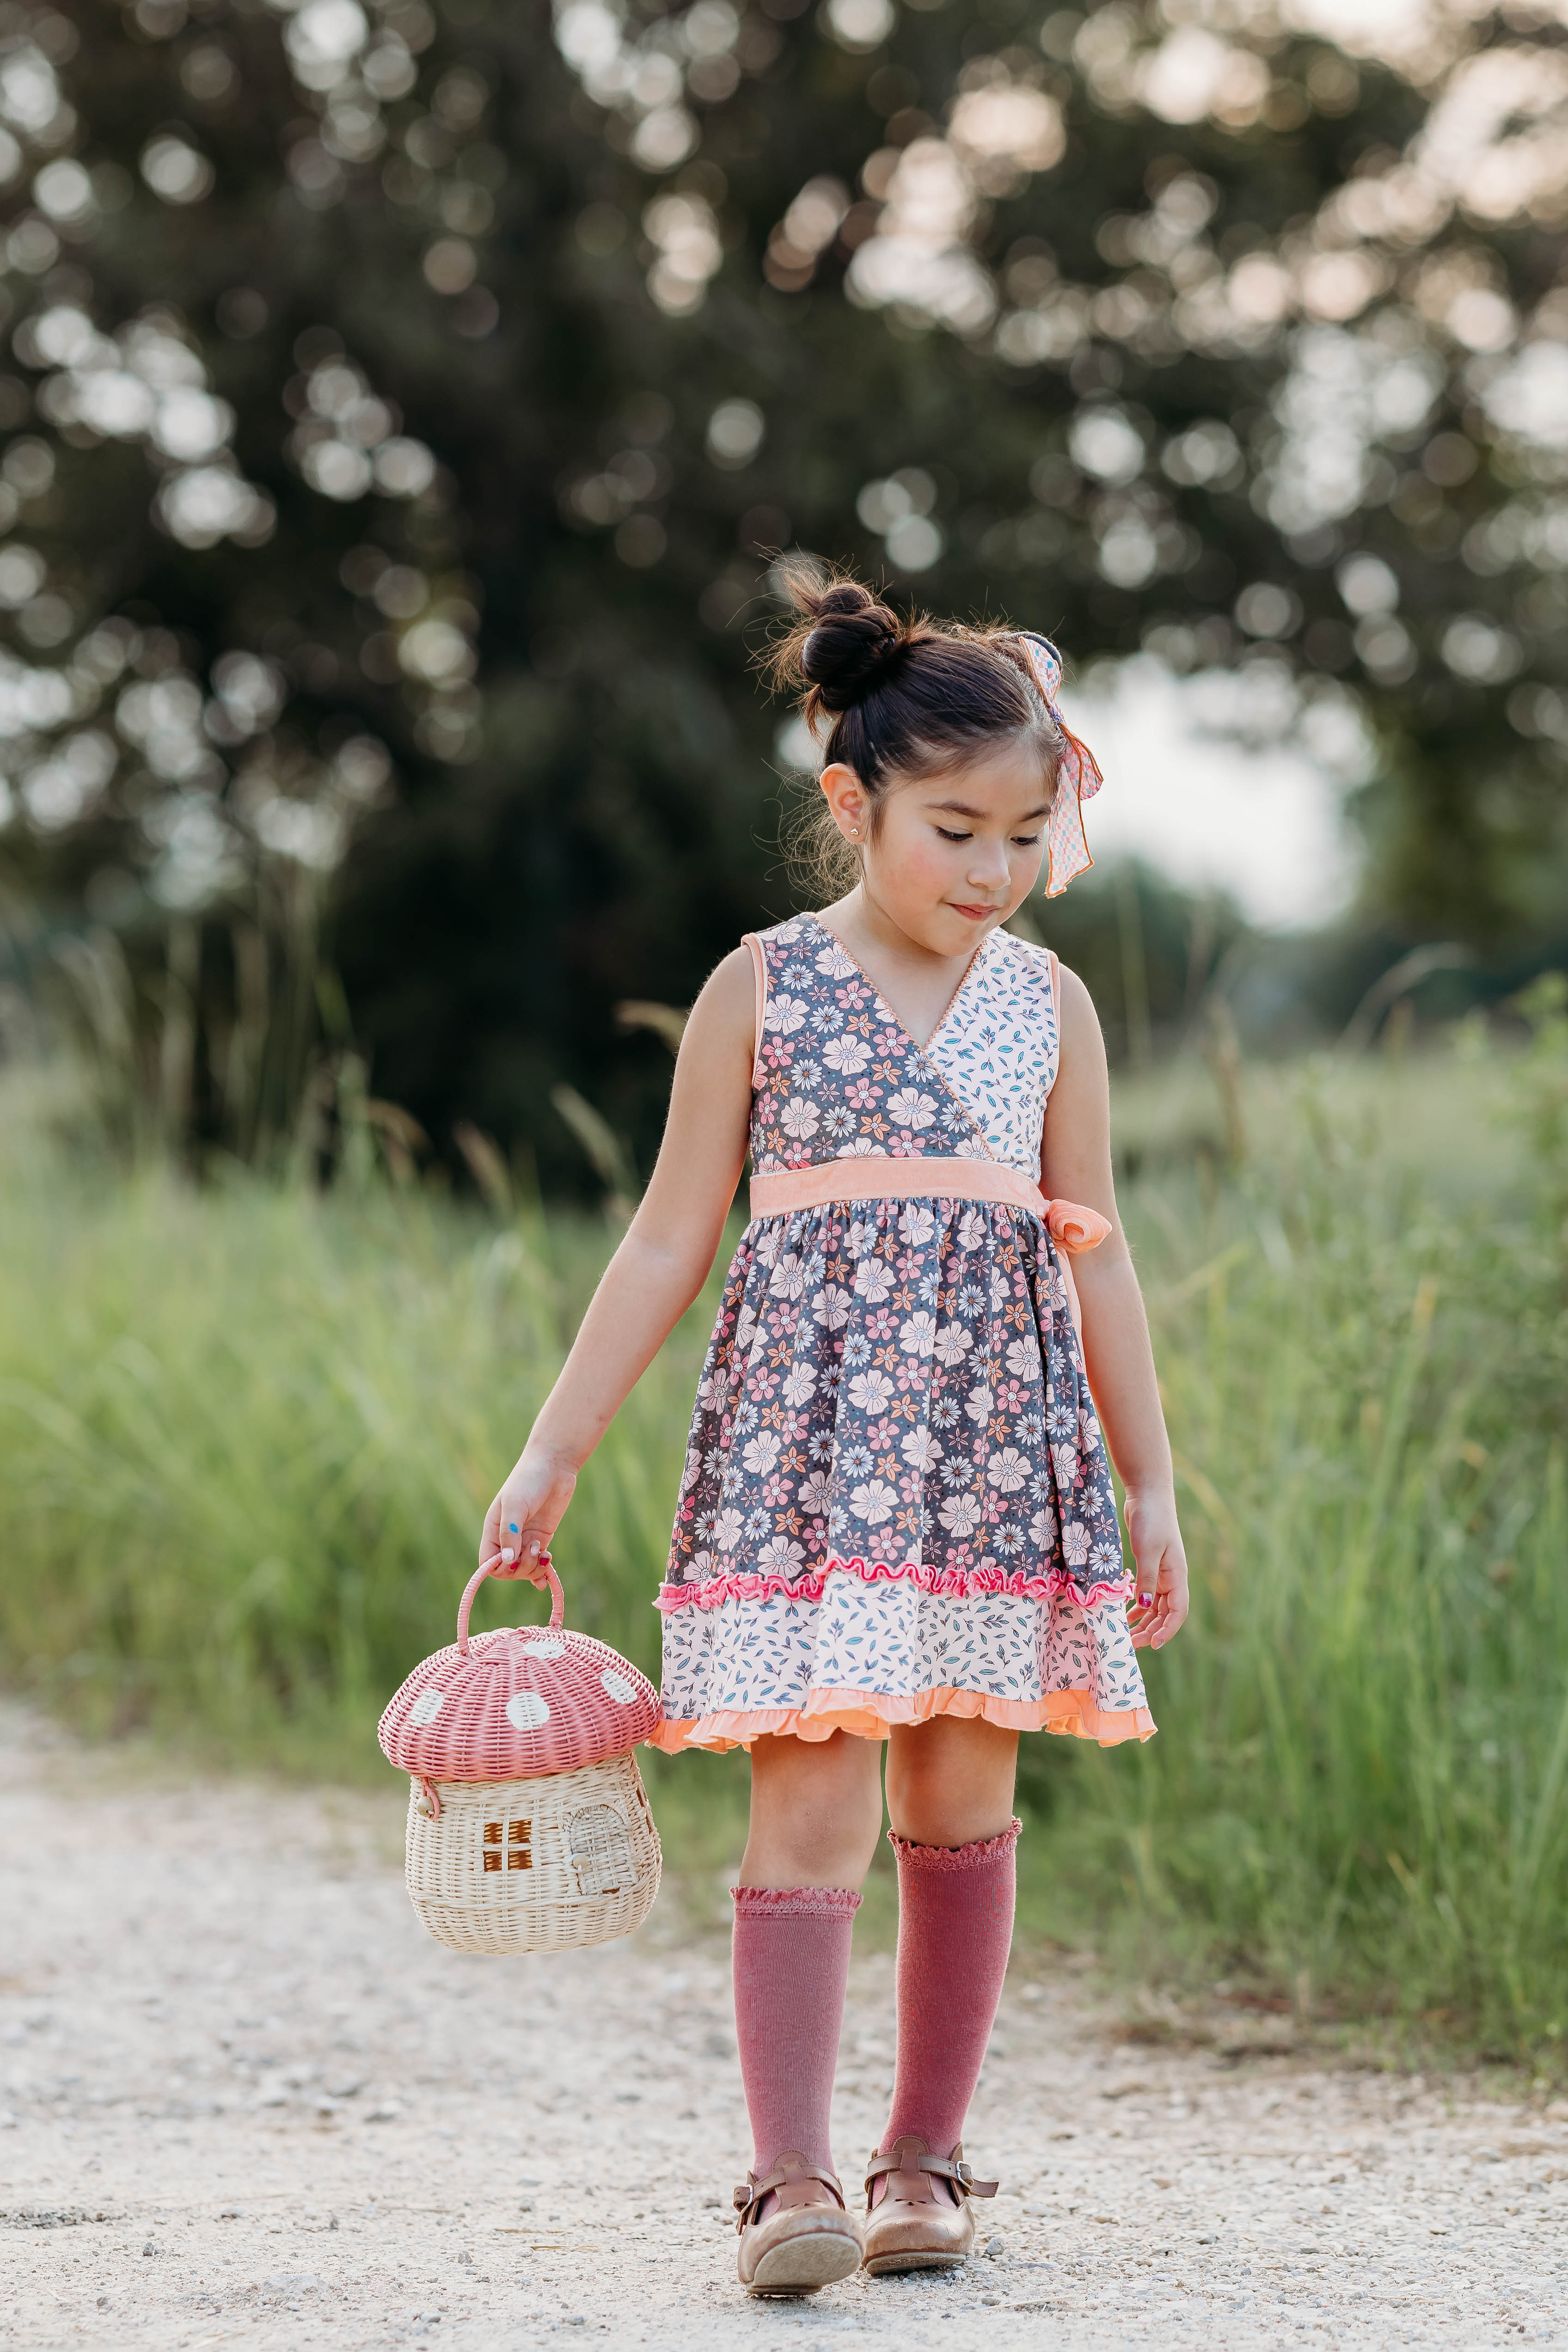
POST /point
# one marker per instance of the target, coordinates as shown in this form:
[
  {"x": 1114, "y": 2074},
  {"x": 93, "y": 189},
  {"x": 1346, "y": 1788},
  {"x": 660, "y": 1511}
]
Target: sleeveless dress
[{"x": 896, "y": 1502}]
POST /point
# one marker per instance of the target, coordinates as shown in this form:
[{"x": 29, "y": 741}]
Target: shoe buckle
[{"x": 963, "y": 2172}]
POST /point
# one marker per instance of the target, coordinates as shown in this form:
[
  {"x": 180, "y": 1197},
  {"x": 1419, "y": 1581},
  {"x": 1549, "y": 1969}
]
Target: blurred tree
[{"x": 406, "y": 406}]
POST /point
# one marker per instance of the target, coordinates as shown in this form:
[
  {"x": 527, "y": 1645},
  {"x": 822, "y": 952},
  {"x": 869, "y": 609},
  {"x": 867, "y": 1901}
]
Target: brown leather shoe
[
  {"x": 916, "y": 2225},
  {"x": 806, "y": 2239}
]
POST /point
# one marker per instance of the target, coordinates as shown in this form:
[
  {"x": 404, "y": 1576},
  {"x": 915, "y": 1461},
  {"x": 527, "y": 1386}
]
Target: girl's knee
[
  {"x": 816, "y": 1811},
  {"x": 950, "y": 1782},
  {"x": 836, "y": 1854}
]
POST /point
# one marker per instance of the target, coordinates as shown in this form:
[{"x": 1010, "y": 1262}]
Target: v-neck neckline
[{"x": 899, "y": 1023}]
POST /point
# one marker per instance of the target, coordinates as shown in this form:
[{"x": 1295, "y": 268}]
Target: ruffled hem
[
  {"x": 870, "y": 1715},
  {"x": 940, "y": 1859},
  {"x": 945, "y": 1583},
  {"x": 795, "y": 1902}
]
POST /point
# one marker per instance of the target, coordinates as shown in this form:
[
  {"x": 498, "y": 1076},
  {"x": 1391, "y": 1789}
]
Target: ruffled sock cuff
[
  {"x": 795, "y": 1902},
  {"x": 955, "y": 1857}
]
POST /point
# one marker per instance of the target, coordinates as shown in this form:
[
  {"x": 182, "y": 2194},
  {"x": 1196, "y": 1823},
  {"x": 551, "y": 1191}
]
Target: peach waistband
[{"x": 878, "y": 1177}]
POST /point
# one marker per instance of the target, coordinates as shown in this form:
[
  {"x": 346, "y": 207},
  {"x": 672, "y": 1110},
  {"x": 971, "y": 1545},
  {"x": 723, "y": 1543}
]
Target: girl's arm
[
  {"x": 1075, "y": 1165},
  {"x": 655, "y": 1275}
]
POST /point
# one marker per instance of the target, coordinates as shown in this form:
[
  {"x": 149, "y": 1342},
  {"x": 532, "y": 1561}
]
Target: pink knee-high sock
[
  {"x": 956, "y": 1927},
  {"x": 791, "y": 1967}
]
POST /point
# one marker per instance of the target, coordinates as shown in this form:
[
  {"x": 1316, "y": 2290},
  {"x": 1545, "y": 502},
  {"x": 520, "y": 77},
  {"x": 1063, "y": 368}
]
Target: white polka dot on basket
[{"x": 522, "y": 1701}]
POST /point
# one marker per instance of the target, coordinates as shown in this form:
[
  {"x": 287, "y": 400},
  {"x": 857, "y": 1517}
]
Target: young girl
[{"x": 896, "y": 1523}]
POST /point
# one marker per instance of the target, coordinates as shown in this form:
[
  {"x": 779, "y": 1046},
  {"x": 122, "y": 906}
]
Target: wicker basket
[
  {"x": 528, "y": 1829},
  {"x": 534, "y": 1865}
]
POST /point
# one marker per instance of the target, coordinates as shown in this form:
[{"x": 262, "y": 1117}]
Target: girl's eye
[{"x": 1020, "y": 840}]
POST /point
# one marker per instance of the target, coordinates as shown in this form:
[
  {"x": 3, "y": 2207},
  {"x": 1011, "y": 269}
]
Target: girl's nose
[{"x": 988, "y": 866}]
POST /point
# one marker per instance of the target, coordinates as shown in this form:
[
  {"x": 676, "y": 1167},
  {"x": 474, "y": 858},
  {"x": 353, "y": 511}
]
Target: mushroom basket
[{"x": 528, "y": 1829}]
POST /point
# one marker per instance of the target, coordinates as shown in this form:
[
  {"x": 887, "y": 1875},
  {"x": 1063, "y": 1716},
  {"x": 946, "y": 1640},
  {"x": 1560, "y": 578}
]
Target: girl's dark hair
[{"x": 891, "y": 698}]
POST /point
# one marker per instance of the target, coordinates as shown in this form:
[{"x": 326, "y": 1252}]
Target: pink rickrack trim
[
  {"x": 795, "y": 1902},
  {"x": 946, "y": 1583},
  {"x": 956, "y": 1857}
]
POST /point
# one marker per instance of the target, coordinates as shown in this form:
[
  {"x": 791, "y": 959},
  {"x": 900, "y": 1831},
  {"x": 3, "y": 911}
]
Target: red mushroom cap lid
[{"x": 520, "y": 1701}]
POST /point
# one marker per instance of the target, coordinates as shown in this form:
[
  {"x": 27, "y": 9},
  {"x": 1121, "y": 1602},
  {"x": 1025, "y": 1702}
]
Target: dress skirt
[{"x": 896, "y": 1502}]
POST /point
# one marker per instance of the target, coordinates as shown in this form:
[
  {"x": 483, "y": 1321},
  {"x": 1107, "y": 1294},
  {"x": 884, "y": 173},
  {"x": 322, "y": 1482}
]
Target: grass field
[{"x": 246, "y": 1432}]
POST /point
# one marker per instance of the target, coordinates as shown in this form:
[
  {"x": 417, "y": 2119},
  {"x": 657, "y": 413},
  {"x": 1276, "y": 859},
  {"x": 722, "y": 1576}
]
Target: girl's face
[{"x": 955, "y": 851}]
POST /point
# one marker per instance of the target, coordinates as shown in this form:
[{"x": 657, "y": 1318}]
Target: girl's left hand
[{"x": 1159, "y": 1607}]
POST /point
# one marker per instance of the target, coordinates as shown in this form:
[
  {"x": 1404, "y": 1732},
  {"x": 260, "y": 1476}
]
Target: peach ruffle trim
[{"x": 870, "y": 1715}]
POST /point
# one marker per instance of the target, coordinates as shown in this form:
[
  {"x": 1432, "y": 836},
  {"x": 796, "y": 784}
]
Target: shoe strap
[
  {"x": 955, "y": 2167},
  {"x": 786, "y": 2174}
]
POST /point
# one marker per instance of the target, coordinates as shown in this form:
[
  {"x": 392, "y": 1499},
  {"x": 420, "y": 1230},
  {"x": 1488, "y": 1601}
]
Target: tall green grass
[
  {"x": 1362, "y": 1777},
  {"x": 247, "y": 1431}
]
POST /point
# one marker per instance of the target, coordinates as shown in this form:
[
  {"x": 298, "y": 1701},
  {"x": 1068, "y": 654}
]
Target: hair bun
[{"x": 854, "y": 643}]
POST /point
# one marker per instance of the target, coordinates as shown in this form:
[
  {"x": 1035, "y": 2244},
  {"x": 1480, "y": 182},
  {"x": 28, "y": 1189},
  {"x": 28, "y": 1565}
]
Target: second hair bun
[{"x": 854, "y": 642}]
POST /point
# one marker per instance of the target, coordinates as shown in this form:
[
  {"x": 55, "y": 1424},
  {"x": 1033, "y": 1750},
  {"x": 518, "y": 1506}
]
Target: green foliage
[
  {"x": 1543, "y": 1105},
  {"x": 1148, "y": 952},
  {"x": 1361, "y": 1775},
  {"x": 248, "y": 1433},
  {"x": 405, "y": 400},
  {"x": 249, "y": 1444}
]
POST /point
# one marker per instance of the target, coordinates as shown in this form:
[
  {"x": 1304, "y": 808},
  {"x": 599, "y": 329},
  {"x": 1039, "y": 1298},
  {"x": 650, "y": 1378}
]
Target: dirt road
[{"x": 243, "y": 2100}]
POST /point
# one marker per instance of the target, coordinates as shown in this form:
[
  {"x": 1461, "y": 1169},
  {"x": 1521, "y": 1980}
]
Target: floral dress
[{"x": 896, "y": 1501}]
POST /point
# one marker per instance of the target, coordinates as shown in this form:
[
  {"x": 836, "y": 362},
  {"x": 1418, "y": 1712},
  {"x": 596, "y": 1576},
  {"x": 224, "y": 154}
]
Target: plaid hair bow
[{"x": 1078, "y": 779}]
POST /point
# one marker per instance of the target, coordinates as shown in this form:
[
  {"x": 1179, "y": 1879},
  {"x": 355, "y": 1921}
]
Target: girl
[{"x": 897, "y": 1523}]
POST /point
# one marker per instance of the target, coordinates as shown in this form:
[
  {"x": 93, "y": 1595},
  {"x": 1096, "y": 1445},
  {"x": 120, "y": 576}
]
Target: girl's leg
[
  {"x": 816, "y": 1813},
  {"x": 950, "y": 1782},
  {"x": 949, "y": 1799}
]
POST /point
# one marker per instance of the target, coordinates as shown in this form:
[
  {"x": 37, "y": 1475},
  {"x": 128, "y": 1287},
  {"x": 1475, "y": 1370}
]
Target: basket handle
[{"x": 558, "y": 1599}]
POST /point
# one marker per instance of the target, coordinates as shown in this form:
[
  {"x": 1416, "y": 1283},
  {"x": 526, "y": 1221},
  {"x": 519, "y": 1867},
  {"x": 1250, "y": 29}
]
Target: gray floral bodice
[{"x": 838, "y": 1076}]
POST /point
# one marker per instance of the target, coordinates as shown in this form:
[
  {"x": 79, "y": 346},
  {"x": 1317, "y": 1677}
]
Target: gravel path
[{"x": 245, "y": 2101}]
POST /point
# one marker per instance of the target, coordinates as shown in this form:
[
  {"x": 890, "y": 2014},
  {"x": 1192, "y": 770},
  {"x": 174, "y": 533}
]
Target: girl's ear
[{"x": 847, "y": 800}]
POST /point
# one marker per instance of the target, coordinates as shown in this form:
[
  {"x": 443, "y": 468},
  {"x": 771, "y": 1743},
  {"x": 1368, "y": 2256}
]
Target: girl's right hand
[{"x": 526, "y": 1513}]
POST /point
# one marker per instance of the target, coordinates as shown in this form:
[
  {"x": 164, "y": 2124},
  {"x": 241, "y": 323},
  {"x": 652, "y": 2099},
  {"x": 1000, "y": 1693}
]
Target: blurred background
[{"x": 403, "y": 407}]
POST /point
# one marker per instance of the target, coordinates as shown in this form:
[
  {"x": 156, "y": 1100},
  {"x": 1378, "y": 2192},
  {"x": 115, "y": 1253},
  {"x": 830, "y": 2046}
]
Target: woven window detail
[
  {"x": 600, "y": 1846},
  {"x": 507, "y": 1845}
]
